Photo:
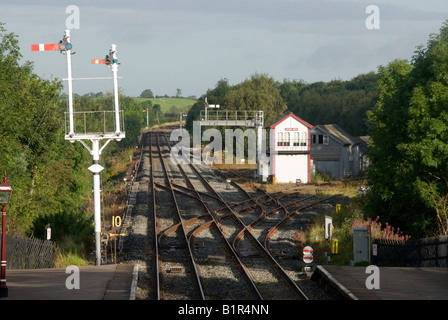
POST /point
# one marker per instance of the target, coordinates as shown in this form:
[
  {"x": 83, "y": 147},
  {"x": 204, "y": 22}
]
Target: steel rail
[
  {"x": 246, "y": 229},
  {"x": 157, "y": 261},
  {"x": 186, "y": 223},
  {"x": 281, "y": 206},
  {"x": 190, "y": 251},
  {"x": 264, "y": 215},
  {"x": 270, "y": 258},
  {"x": 194, "y": 191},
  {"x": 284, "y": 207},
  {"x": 232, "y": 253},
  {"x": 288, "y": 217}
]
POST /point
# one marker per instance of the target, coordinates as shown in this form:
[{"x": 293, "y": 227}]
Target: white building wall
[
  {"x": 289, "y": 168},
  {"x": 289, "y": 128}
]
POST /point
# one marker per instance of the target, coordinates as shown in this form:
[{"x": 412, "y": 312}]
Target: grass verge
[{"x": 69, "y": 248}]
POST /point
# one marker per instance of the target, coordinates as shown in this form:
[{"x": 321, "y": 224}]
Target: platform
[
  {"x": 108, "y": 282},
  {"x": 396, "y": 283}
]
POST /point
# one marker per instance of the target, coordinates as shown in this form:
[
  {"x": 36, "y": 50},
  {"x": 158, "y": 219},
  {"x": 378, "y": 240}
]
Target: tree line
[
  {"x": 409, "y": 140},
  {"x": 147, "y": 93},
  {"x": 34, "y": 156},
  {"x": 344, "y": 103},
  {"x": 336, "y": 102}
]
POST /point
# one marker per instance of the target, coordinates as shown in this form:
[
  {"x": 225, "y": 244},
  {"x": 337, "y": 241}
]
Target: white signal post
[
  {"x": 114, "y": 67},
  {"x": 70, "y": 81},
  {"x": 96, "y": 168},
  {"x": 111, "y": 60}
]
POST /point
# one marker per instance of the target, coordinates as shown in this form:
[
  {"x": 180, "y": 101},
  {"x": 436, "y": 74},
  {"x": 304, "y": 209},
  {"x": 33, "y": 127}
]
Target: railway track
[
  {"x": 270, "y": 279},
  {"x": 175, "y": 254},
  {"x": 211, "y": 239},
  {"x": 206, "y": 237}
]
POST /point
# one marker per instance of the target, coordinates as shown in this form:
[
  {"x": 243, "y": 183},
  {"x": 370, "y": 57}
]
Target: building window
[
  {"x": 287, "y": 139},
  {"x": 303, "y": 141},
  {"x": 300, "y": 139},
  {"x": 296, "y": 139},
  {"x": 283, "y": 139},
  {"x": 320, "y": 139},
  {"x": 280, "y": 139}
]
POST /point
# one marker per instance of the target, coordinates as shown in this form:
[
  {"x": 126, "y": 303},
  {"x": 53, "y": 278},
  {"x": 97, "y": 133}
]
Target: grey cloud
[{"x": 306, "y": 39}]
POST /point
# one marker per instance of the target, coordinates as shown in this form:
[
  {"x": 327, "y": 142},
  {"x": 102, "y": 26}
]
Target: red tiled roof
[{"x": 283, "y": 118}]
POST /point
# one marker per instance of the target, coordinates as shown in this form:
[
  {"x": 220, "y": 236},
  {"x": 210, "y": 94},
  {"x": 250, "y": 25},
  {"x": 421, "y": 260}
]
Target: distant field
[{"x": 167, "y": 103}]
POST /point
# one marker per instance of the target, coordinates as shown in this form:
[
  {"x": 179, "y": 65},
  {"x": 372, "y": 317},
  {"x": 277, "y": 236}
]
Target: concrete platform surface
[
  {"x": 395, "y": 283},
  {"x": 108, "y": 282}
]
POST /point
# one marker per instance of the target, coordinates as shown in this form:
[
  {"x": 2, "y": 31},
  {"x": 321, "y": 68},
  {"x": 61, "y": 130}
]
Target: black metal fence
[
  {"x": 427, "y": 252},
  {"x": 28, "y": 253}
]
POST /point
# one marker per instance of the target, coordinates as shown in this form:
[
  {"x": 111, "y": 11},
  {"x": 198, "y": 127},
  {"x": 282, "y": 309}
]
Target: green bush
[
  {"x": 72, "y": 233},
  {"x": 342, "y": 232},
  {"x": 350, "y": 216}
]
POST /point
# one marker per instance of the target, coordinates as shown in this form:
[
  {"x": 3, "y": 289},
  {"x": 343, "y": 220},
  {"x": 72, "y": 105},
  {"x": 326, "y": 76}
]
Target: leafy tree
[
  {"x": 257, "y": 93},
  {"x": 134, "y": 124},
  {"x": 157, "y": 108},
  {"x": 147, "y": 94},
  {"x": 41, "y": 167},
  {"x": 409, "y": 133},
  {"x": 290, "y": 92},
  {"x": 155, "y": 114},
  {"x": 341, "y": 102},
  {"x": 214, "y": 96}
]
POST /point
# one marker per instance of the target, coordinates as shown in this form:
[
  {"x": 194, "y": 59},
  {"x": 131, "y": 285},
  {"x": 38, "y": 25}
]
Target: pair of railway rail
[{"x": 193, "y": 223}]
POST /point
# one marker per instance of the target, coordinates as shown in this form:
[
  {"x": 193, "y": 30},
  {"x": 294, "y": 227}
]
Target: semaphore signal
[
  {"x": 64, "y": 47},
  {"x": 64, "y": 44},
  {"x": 112, "y": 62},
  {"x": 98, "y": 61},
  {"x": 45, "y": 47}
]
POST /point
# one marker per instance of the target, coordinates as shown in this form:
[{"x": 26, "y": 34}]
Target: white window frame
[{"x": 326, "y": 139}]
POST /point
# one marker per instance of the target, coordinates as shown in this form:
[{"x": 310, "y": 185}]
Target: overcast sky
[{"x": 164, "y": 45}]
